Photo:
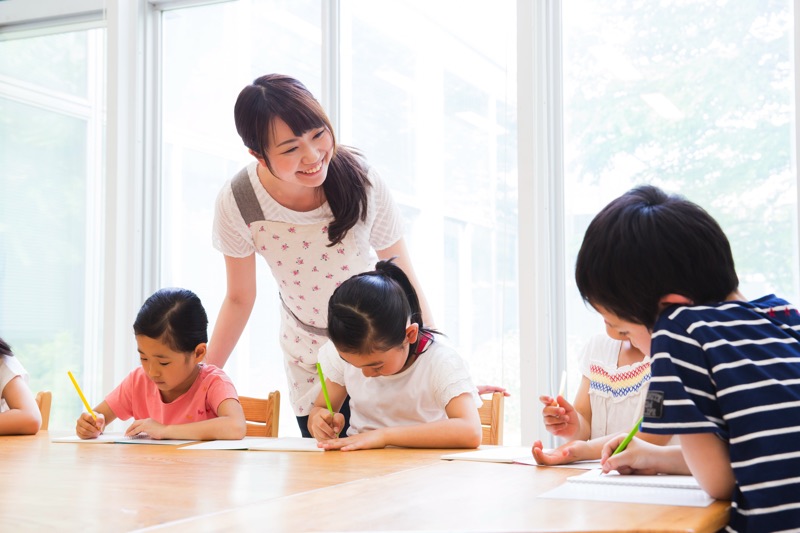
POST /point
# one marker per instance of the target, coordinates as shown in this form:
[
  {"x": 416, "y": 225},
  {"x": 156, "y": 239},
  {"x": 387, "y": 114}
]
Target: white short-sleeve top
[
  {"x": 10, "y": 367},
  {"x": 417, "y": 395},
  {"x": 382, "y": 228}
]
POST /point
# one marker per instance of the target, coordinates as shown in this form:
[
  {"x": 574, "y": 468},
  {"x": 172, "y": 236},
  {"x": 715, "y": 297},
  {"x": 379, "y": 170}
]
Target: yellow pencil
[{"x": 80, "y": 393}]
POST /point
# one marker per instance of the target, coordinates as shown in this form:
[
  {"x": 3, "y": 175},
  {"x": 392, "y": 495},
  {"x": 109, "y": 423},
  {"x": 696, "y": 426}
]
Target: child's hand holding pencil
[
  {"x": 325, "y": 424},
  {"x": 637, "y": 456},
  {"x": 90, "y": 424},
  {"x": 560, "y": 417},
  {"x": 88, "y": 427}
]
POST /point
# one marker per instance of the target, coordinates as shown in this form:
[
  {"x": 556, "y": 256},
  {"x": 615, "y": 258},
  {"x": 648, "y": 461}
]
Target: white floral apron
[{"x": 307, "y": 271}]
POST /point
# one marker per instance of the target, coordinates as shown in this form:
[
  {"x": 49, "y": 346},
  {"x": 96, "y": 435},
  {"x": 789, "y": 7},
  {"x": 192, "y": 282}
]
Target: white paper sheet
[
  {"x": 283, "y": 444},
  {"x": 511, "y": 454},
  {"x": 628, "y": 489},
  {"x": 120, "y": 438}
]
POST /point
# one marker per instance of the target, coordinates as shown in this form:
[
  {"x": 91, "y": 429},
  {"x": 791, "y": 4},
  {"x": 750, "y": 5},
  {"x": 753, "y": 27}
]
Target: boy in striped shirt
[{"x": 725, "y": 370}]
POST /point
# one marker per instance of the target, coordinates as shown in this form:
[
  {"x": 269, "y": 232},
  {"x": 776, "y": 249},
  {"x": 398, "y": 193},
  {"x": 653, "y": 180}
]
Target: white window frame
[
  {"x": 541, "y": 232},
  {"x": 115, "y": 285}
]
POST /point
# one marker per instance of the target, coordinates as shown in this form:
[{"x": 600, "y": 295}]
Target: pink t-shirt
[{"x": 138, "y": 397}]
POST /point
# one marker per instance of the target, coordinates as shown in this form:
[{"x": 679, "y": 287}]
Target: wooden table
[{"x": 122, "y": 487}]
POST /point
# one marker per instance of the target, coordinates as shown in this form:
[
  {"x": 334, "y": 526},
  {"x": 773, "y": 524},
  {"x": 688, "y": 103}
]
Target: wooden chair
[
  {"x": 43, "y": 400},
  {"x": 262, "y": 415},
  {"x": 491, "y": 413}
]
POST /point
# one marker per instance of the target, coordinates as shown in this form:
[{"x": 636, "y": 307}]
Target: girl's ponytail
[{"x": 392, "y": 271}]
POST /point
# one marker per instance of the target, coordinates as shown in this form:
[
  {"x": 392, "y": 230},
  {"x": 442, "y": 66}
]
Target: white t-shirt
[
  {"x": 10, "y": 367},
  {"x": 382, "y": 228},
  {"x": 616, "y": 395},
  {"x": 417, "y": 395}
]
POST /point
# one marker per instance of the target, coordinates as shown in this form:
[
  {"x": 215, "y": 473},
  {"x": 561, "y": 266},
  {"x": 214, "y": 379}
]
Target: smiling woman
[
  {"x": 294, "y": 168},
  {"x": 316, "y": 212}
]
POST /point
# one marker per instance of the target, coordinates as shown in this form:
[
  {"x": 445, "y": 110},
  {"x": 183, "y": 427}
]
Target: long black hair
[
  {"x": 5, "y": 349},
  {"x": 278, "y": 96},
  {"x": 176, "y": 317},
  {"x": 369, "y": 312}
]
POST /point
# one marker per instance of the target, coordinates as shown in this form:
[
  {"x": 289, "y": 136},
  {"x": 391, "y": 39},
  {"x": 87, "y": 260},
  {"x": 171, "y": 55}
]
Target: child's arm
[
  {"x": 709, "y": 461},
  {"x": 462, "y": 429},
  {"x": 228, "y": 425},
  {"x": 585, "y": 450},
  {"x": 89, "y": 428},
  {"x": 641, "y": 457},
  {"x": 23, "y": 416},
  {"x": 576, "y": 450},
  {"x": 568, "y": 420},
  {"x": 703, "y": 455},
  {"x": 321, "y": 424},
  {"x": 655, "y": 438}
]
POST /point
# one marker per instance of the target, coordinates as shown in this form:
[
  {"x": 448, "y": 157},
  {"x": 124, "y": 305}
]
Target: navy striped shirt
[{"x": 734, "y": 369}]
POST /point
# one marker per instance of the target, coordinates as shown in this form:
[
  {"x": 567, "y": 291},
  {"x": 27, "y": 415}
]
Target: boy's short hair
[{"x": 647, "y": 244}]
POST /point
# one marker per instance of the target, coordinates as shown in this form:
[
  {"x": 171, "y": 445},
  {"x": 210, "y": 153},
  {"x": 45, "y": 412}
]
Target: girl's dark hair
[
  {"x": 176, "y": 317},
  {"x": 277, "y": 96},
  {"x": 369, "y": 312},
  {"x": 647, "y": 244},
  {"x": 5, "y": 349}
]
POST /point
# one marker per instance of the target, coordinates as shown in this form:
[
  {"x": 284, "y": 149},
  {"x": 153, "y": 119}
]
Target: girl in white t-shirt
[
  {"x": 19, "y": 414},
  {"x": 407, "y": 386},
  {"x": 609, "y": 401}
]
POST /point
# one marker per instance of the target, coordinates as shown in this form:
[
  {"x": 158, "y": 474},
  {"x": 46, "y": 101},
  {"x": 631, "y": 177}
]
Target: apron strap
[
  {"x": 246, "y": 198},
  {"x": 322, "y": 332}
]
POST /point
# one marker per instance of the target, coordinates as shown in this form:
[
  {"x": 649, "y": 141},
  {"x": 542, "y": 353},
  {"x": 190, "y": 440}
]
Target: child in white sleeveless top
[{"x": 609, "y": 401}]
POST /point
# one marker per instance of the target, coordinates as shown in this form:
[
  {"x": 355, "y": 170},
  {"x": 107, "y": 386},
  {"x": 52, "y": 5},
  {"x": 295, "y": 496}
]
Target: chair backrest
[
  {"x": 491, "y": 413},
  {"x": 262, "y": 415},
  {"x": 43, "y": 400}
]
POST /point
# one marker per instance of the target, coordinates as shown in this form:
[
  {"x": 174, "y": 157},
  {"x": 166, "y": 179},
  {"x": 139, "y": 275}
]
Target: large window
[
  {"x": 51, "y": 157},
  {"x": 697, "y": 98},
  {"x": 434, "y": 110},
  {"x": 414, "y": 106},
  {"x": 201, "y": 78}
]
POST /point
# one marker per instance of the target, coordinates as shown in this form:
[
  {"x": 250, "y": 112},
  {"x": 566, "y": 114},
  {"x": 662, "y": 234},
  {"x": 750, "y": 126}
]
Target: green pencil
[
  {"x": 324, "y": 388},
  {"x": 624, "y": 443}
]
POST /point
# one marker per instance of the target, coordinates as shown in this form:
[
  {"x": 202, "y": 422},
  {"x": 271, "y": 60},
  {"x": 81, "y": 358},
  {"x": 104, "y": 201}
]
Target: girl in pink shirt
[{"x": 172, "y": 395}]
